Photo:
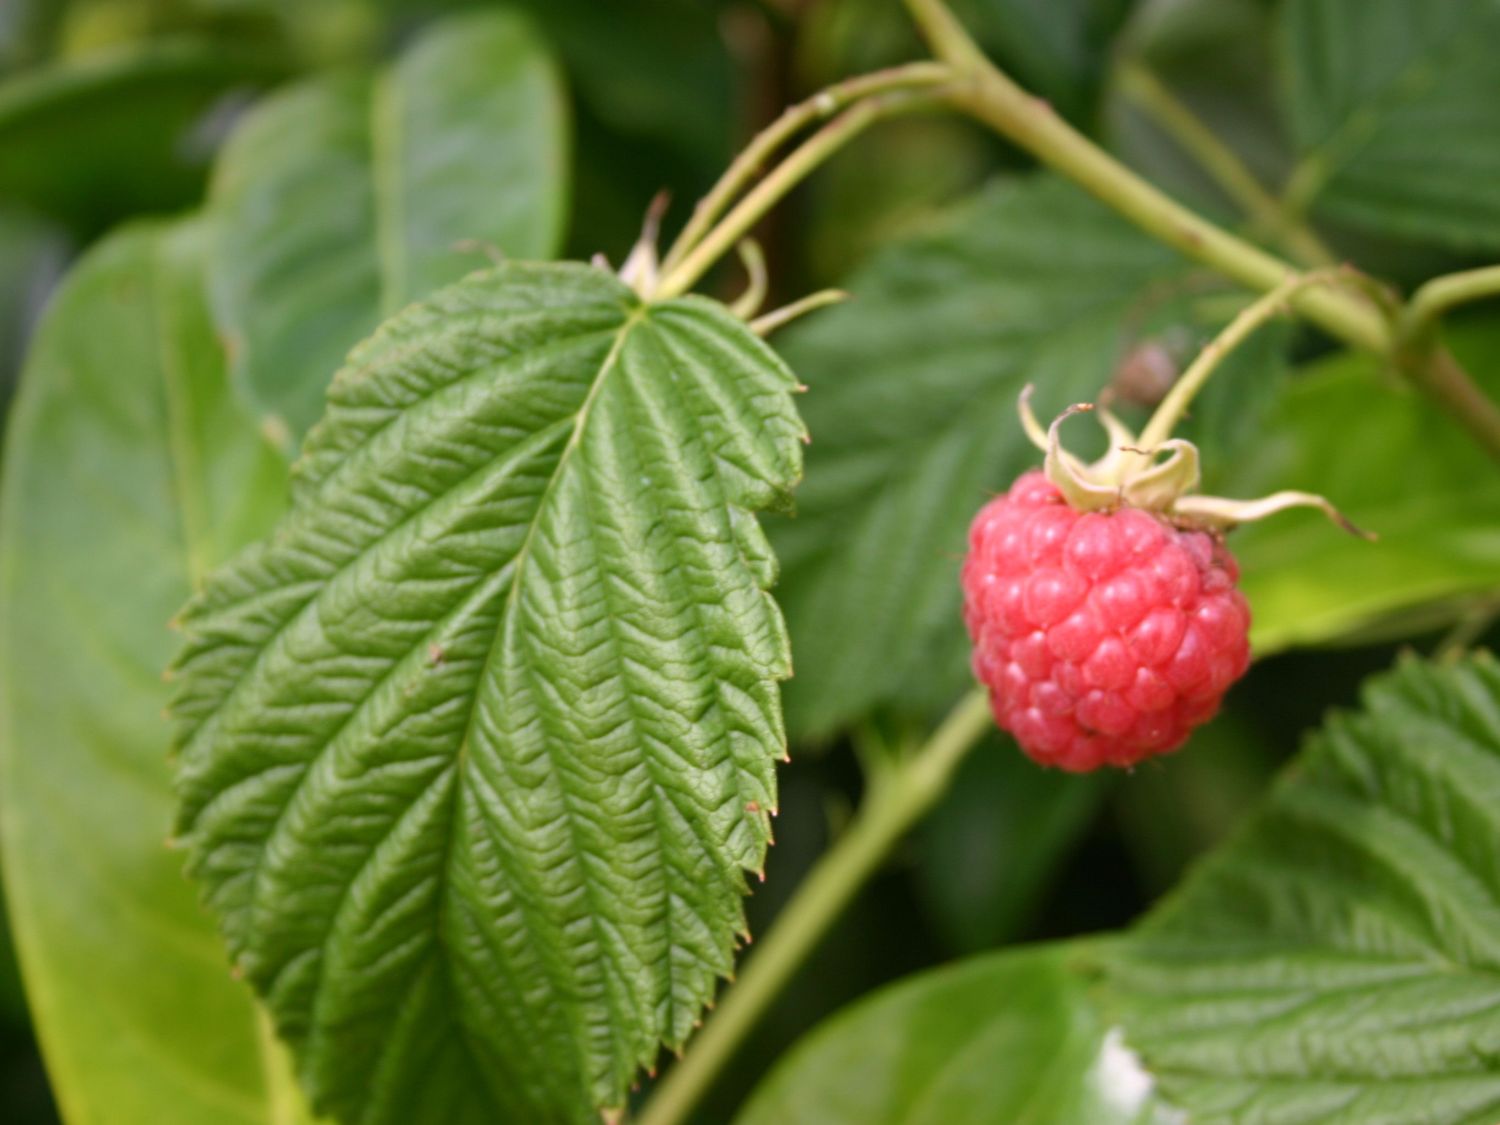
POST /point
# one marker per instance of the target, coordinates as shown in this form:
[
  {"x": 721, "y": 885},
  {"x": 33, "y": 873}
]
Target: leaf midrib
[
  {"x": 506, "y": 633},
  {"x": 515, "y": 566}
]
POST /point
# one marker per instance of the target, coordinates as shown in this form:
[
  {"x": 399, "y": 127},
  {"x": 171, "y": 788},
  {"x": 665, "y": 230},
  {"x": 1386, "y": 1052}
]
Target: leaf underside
[
  {"x": 477, "y": 747},
  {"x": 1339, "y": 961}
]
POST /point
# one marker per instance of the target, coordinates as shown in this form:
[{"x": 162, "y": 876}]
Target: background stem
[
  {"x": 825, "y": 103},
  {"x": 896, "y": 801},
  {"x": 1032, "y": 123},
  {"x": 806, "y": 157},
  {"x": 1441, "y": 294},
  {"x": 1222, "y": 164}
]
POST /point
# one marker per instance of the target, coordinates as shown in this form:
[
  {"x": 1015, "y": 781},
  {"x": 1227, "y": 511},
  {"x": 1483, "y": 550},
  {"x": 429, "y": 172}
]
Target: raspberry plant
[{"x": 492, "y": 538}]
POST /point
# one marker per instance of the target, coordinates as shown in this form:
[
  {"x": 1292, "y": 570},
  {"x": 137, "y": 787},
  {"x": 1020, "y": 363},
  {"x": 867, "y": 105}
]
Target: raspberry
[{"x": 1104, "y": 637}]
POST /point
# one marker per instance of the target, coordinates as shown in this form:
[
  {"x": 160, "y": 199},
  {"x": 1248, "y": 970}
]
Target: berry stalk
[{"x": 1265, "y": 308}]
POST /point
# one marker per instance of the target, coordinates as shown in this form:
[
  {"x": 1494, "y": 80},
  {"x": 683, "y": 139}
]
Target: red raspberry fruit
[{"x": 1103, "y": 637}]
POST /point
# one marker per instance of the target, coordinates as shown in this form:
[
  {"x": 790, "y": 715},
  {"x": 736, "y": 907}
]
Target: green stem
[
  {"x": 986, "y": 94},
  {"x": 895, "y": 802},
  {"x": 824, "y": 104},
  {"x": 1266, "y": 307},
  {"x": 769, "y": 322},
  {"x": 1222, "y": 164},
  {"x": 1433, "y": 367},
  {"x": 1441, "y": 294},
  {"x": 804, "y": 159},
  {"x": 1030, "y": 122},
  {"x": 1444, "y": 379}
]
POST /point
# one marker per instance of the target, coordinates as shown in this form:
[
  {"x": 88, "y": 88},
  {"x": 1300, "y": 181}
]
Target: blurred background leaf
[
  {"x": 32, "y": 255},
  {"x": 129, "y": 471},
  {"x": 90, "y": 143},
  {"x": 1395, "y": 465},
  {"x": 1009, "y": 1037},
  {"x": 1395, "y": 111},
  {"x": 343, "y": 199}
]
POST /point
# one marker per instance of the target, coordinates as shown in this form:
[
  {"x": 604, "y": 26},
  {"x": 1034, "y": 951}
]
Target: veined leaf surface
[
  {"x": 129, "y": 471},
  {"x": 342, "y": 199},
  {"x": 1395, "y": 108},
  {"x": 477, "y": 747},
  {"x": 1338, "y": 961}
]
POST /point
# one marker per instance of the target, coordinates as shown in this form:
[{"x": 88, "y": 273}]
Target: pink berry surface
[{"x": 1104, "y": 638}]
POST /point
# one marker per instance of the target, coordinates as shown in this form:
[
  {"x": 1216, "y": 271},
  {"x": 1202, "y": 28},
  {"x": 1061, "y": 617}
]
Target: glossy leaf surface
[
  {"x": 1008, "y": 1037},
  {"x": 477, "y": 747},
  {"x": 128, "y": 472}
]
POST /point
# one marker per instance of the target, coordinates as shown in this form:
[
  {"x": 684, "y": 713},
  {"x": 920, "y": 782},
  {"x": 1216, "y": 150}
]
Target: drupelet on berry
[{"x": 1103, "y": 637}]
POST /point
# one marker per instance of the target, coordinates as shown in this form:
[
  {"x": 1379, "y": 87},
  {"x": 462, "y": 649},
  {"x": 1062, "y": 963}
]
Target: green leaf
[
  {"x": 1215, "y": 57},
  {"x": 1009, "y": 1037},
  {"x": 89, "y": 143},
  {"x": 1339, "y": 960},
  {"x": 1397, "y": 466},
  {"x": 1395, "y": 110},
  {"x": 477, "y": 747},
  {"x": 128, "y": 472},
  {"x": 343, "y": 199},
  {"x": 658, "y": 68},
  {"x": 32, "y": 254},
  {"x": 912, "y": 409}
]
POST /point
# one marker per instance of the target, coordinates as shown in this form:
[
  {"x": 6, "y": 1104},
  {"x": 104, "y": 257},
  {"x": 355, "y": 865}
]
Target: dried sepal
[
  {"x": 1222, "y": 514},
  {"x": 1074, "y": 479},
  {"x": 1159, "y": 485},
  {"x": 1140, "y": 478}
]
